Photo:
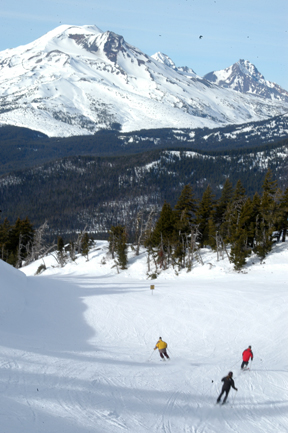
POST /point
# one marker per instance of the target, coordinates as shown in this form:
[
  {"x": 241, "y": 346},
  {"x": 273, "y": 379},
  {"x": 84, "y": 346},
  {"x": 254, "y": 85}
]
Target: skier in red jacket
[{"x": 246, "y": 355}]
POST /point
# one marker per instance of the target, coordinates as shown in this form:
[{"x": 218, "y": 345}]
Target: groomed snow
[{"x": 76, "y": 351}]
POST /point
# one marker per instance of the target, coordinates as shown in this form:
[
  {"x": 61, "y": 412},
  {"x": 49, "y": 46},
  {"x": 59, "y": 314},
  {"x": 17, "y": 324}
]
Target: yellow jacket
[{"x": 161, "y": 345}]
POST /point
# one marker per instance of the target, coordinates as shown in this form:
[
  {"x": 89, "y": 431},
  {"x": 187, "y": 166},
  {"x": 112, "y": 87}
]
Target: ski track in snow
[{"x": 76, "y": 348}]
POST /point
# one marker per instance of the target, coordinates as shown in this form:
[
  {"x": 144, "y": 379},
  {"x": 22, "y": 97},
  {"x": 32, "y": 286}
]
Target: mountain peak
[
  {"x": 163, "y": 58},
  {"x": 249, "y": 69},
  {"x": 244, "y": 77},
  {"x": 167, "y": 61}
]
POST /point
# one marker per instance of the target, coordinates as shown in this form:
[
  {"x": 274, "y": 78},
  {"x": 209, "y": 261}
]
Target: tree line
[
  {"x": 21, "y": 244},
  {"x": 234, "y": 225},
  {"x": 234, "y": 222}
]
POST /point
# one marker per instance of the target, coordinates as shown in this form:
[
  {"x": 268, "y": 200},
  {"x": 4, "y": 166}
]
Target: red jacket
[{"x": 247, "y": 354}]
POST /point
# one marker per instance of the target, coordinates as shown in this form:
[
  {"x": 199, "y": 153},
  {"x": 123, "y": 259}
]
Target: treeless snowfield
[{"x": 76, "y": 347}]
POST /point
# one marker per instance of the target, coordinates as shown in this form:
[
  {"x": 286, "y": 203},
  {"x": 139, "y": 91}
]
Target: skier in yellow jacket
[{"x": 162, "y": 346}]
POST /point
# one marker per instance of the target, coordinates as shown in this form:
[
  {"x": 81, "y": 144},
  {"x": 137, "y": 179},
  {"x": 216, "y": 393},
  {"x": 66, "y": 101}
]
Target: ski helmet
[{"x": 230, "y": 373}]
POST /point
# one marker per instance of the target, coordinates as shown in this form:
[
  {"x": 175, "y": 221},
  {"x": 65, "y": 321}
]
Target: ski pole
[
  {"x": 234, "y": 398},
  {"x": 235, "y": 363},
  {"x": 151, "y": 355},
  {"x": 213, "y": 387}
]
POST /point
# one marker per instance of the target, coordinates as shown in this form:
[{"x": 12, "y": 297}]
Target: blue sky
[{"x": 253, "y": 30}]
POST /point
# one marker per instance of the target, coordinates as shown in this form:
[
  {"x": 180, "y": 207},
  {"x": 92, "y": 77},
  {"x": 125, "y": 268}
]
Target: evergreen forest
[{"x": 233, "y": 224}]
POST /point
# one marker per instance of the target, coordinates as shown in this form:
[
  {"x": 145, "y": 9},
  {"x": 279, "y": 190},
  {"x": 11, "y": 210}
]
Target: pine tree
[
  {"x": 4, "y": 238},
  {"x": 14, "y": 240},
  {"x": 232, "y": 213},
  {"x": 85, "y": 246},
  {"x": 164, "y": 227},
  {"x": 161, "y": 239},
  {"x": 256, "y": 203},
  {"x": 222, "y": 203},
  {"x": 60, "y": 244},
  {"x": 204, "y": 212},
  {"x": 61, "y": 255},
  {"x": 268, "y": 217},
  {"x": 185, "y": 209},
  {"x": 284, "y": 214},
  {"x": 25, "y": 229},
  {"x": 184, "y": 215},
  {"x": 241, "y": 230},
  {"x": 269, "y": 185},
  {"x": 118, "y": 245},
  {"x": 212, "y": 233}
]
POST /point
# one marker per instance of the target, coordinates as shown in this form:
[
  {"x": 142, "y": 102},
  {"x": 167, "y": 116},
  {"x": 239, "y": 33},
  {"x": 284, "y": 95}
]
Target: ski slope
[{"x": 76, "y": 347}]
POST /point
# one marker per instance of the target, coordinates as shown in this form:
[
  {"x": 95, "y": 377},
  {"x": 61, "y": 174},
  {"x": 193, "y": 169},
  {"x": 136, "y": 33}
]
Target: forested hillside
[
  {"x": 101, "y": 192},
  {"x": 175, "y": 236},
  {"x": 22, "y": 148}
]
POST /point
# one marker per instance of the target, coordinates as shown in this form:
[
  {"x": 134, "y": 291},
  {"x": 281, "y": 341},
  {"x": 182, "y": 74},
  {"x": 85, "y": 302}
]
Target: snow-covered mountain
[
  {"x": 244, "y": 77},
  {"x": 76, "y": 80}
]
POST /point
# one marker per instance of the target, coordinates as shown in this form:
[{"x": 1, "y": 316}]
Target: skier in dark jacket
[
  {"x": 228, "y": 382},
  {"x": 246, "y": 355}
]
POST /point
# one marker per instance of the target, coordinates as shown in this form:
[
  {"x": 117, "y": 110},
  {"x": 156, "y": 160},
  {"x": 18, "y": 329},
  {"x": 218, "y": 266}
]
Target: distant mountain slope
[
  {"x": 23, "y": 148},
  {"x": 226, "y": 138},
  {"x": 78, "y": 80},
  {"x": 244, "y": 77},
  {"x": 102, "y": 192}
]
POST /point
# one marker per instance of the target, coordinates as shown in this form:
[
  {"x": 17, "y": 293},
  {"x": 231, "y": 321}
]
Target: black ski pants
[
  {"x": 222, "y": 392},
  {"x": 244, "y": 364},
  {"x": 162, "y": 353}
]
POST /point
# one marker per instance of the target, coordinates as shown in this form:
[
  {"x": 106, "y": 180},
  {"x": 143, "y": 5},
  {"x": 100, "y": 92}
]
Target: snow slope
[{"x": 76, "y": 351}]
